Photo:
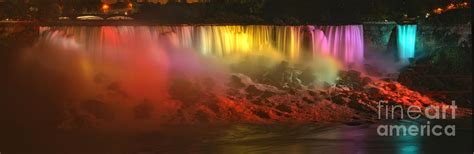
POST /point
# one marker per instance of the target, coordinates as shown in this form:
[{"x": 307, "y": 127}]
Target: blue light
[{"x": 406, "y": 42}]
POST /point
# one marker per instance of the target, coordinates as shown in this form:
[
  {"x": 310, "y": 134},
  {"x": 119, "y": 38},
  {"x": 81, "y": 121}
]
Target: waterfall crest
[{"x": 344, "y": 43}]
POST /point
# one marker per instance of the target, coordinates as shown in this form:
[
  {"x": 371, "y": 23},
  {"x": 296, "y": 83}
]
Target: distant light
[
  {"x": 63, "y": 18},
  {"x": 386, "y": 20},
  {"x": 451, "y": 7},
  {"x": 126, "y": 13},
  {"x": 89, "y": 18},
  {"x": 438, "y": 10},
  {"x": 120, "y": 18},
  {"x": 427, "y": 15},
  {"x": 130, "y": 5},
  {"x": 105, "y": 6}
]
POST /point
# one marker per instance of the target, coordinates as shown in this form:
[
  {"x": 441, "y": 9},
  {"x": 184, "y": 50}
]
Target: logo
[{"x": 414, "y": 113}]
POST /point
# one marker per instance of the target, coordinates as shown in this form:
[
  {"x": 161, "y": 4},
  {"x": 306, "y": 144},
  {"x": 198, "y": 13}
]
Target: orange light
[
  {"x": 130, "y": 5},
  {"x": 451, "y": 7},
  {"x": 105, "y": 7},
  {"x": 438, "y": 11}
]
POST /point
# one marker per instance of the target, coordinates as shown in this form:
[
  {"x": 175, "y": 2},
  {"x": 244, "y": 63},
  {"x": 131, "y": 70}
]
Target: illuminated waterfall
[
  {"x": 406, "y": 42},
  {"x": 319, "y": 41},
  {"x": 344, "y": 43}
]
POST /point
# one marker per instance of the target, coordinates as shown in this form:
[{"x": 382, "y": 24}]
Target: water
[
  {"x": 406, "y": 42},
  {"x": 144, "y": 60},
  {"x": 293, "y": 43},
  {"x": 246, "y": 138}
]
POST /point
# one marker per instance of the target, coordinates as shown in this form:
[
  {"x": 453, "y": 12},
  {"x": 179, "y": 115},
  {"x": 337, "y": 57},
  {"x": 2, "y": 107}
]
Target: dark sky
[{"x": 154, "y": 1}]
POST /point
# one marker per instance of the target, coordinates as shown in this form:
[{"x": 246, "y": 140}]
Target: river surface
[{"x": 246, "y": 138}]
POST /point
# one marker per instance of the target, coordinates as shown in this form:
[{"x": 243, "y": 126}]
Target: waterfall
[
  {"x": 344, "y": 43},
  {"x": 406, "y": 42}
]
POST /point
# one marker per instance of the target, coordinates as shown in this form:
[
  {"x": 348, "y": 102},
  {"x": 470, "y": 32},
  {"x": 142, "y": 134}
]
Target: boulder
[
  {"x": 284, "y": 108},
  {"x": 143, "y": 110}
]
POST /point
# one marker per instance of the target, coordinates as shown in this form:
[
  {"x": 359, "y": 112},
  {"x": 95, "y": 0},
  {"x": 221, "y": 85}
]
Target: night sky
[{"x": 153, "y": 1}]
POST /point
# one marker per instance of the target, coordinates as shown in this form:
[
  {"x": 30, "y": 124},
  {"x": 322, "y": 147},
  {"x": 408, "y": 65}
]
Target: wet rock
[
  {"x": 340, "y": 99},
  {"x": 326, "y": 85},
  {"x": 213, "y": 107},
  {"x": 392, "y": 86},
  {"x": 307, "y": 76},
  {"x": 186, "y": 91},
  {"x": 201, "y": 116},
  {"x": 262, "y": 114},
  {"x": 236, "y": 82},
  {"x": 284, "y": 108},
  {"x": 266, "y": 94},
  {"x": 143, "y": 110},
  {"x": 308, "y": 100},
  {"x": 353, "y": 74},
  {"x": 354, "y": 104},
  {"x": 95, "y": 108},
  {"x": 372, "y": 70},
  {"x": 115, "y": 88},
  {"x": 312, "y": 93},
  {"x": 366, "y": 81},
  {"x": 351, "y": 79},
  {"x": 373, "y": 91},
  {"x": 344, "y": 88},
  {"x": 252, "y": 90}
]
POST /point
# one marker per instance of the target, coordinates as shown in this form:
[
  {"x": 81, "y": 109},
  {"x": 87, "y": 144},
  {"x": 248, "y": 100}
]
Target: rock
[
  {"x": 184, "y": 90},
  {"x": 262, "y": 114},
  {"x": 201, "y": 116},
  {"x": 344, "y": 88},
  {"x": 143, "y": 111},
  {"x": 252, "y": 90},
  {"x": 307, "y": 76},
  {"x": 312, "y": 93},
  {"x": 95, "y": 108},
  {"x": 213, "y": 107},
  {"x": 340, "y": 99},
  {"x": 372, "y": 70},
  {"x": 326, "y": 85},
  {"x": 115, "y": 88},
  {"x": 366, "y": 81},
  {"x": 308, "y": 100},
  {"x": 284, "y": 108},
  {"x": 392, "y": 86},
  {"x": 373, "y": 91},
  {"x": 236, "y": 82},
  {"x": 267, "y": 94},
  {"x": 353, "y": 74}
]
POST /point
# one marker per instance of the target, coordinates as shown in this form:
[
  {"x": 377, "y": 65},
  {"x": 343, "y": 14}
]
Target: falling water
[
  {"x": 344, "y": 43},
  {"x": 406, "y": 42}
]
